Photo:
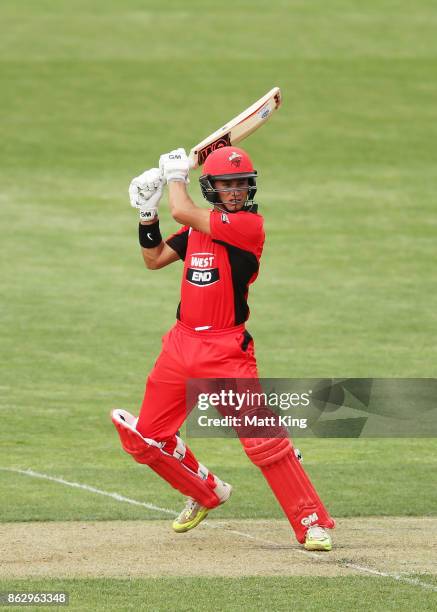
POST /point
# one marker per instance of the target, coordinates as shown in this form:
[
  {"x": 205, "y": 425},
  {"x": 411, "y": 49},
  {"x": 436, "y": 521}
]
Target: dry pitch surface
[{"x": 233, "y": 548}]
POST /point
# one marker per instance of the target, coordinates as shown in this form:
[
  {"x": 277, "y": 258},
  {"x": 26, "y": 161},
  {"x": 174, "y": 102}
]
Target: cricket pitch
[{"x": 234, "y": 548}]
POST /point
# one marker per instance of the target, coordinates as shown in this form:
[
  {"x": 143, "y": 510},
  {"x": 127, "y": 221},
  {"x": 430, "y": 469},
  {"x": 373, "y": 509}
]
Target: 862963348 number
[{"x": 32, "y": 598}]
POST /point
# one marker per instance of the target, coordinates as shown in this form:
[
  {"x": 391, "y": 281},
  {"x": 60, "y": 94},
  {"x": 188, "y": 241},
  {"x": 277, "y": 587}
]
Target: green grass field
[{"x": 91, "y": 94}]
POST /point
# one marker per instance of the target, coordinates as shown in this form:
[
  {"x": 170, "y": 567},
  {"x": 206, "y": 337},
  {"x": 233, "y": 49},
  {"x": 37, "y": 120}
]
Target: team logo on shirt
[{"x": 201, "y": 271}]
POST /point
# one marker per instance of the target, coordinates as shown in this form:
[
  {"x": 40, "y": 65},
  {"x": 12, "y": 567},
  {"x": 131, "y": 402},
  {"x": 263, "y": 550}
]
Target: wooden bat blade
[{"x": 239, "y": 128}]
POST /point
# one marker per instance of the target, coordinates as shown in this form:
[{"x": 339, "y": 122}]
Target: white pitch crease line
[
  {"x": 217, "y": 525},
  {"x": 128, "y": 500},
  {"x": 221, "y": 525},
  {"x": 399, "y": 577},
  {"x": 77, "y": 485}
]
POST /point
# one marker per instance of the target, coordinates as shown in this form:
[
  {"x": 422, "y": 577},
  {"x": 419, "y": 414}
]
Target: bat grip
[{"x": 193, "y": 163}]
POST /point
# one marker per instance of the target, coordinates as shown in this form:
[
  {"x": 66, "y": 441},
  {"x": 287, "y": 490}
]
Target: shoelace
[{"x": 189, "y": 507}]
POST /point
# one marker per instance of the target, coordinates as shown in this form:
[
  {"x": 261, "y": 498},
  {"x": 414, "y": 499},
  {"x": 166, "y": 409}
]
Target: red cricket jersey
[{"x": 218, "y": 269}]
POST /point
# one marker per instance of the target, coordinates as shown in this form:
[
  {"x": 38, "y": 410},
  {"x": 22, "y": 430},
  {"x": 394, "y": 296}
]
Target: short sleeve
[
  {"x": 244, "y": 230},
  {"x": 178, "y": 241}
]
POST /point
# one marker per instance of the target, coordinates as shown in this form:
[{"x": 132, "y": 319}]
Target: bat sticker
[{"x": 223, "y": 141}]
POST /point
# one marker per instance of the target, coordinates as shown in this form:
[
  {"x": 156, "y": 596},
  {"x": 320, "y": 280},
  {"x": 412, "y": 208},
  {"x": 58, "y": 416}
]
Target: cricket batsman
[{"x": 221, "y": 249}]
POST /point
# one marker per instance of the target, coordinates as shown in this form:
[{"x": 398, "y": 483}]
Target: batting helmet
[{"x": 225, "y": 164}]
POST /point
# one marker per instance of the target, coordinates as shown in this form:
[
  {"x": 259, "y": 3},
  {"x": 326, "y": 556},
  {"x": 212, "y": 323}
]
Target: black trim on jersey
[
  {"x": 178, "y": 242},
  {"x": 178, "y": 312},
  {"x": 244, "y": 265},
  {"x": 247, "y": 338}
]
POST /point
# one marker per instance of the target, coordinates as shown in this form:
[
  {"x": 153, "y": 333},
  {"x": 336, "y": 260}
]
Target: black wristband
[{"x": 149, "y": 235}]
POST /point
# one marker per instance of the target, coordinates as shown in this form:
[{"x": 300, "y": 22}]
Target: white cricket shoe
[
  {"x": 194, "y": 513},
  {"x": 317, "y": 538}
]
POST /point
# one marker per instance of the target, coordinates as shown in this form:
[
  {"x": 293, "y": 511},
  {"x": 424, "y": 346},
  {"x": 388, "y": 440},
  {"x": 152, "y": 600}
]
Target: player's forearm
[
  {"x": 184, "y": 211},
  {"x": 180, "y": 201},
  {"x": 151, "y": 256}
]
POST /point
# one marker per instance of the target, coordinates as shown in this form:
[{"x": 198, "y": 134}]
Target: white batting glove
[
  {"x": 145, "y": 193},
  {"x": 175, "y": 166}
]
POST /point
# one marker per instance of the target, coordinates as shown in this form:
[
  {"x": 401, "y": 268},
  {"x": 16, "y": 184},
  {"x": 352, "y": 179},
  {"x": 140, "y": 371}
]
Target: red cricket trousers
[{"x": 185, "y": 354}]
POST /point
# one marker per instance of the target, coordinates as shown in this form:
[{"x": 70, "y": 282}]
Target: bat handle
[{"x": 193, "y": 159}]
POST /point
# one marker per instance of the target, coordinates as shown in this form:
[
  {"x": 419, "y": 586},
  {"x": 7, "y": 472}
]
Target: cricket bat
[{"x": 239, "y": 128}]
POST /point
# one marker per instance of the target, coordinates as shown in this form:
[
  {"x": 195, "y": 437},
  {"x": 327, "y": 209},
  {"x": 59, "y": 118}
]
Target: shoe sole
[
  {"x": 182, "y": 528},
  {"x": 321, "y": 546}
]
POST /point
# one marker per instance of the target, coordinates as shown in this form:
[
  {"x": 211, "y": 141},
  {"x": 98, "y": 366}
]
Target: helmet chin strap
[{"x": 245, "y": 208}]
